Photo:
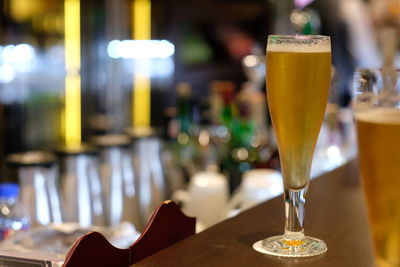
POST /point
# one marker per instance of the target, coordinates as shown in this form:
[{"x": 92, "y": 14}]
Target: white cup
[
  {"x": 205, "y": 198},
  {"x": 257, "y": 185}
]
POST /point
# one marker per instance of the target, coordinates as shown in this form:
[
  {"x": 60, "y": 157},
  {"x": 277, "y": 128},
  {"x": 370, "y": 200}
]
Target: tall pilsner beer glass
[
  {"x": 298, "y": 79},
  {"x": 377, "y": 113}
]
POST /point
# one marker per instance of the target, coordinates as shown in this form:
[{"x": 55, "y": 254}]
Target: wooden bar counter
[{"x": 335, "y": 213}]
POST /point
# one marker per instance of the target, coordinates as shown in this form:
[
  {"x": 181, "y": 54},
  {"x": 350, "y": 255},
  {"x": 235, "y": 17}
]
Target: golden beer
[
  {"x": 298, "y": 85},
  {"x": 378, "y": 133}
]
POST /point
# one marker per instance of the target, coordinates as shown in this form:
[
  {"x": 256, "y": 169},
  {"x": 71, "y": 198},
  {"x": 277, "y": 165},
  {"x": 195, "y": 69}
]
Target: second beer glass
[{"x": 377, "y": 113}]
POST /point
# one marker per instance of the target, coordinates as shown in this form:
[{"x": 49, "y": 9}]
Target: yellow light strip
[
  {"x": 141, "y": 99},
  {"x": 141, "y": 96},
  {"x": 141, "y": 20},
  {"x": 72, "y": 112}
]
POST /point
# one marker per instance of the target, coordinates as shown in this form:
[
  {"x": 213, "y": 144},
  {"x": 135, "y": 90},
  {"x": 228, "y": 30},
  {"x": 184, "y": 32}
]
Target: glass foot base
[{"x": 280, "y": 246}]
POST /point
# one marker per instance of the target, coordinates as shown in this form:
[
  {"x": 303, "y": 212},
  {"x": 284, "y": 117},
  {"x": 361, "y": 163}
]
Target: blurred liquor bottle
[
  {"x": 185, "y": 108},
  {"x": 222, "y": 101},
  {"x": 221, "y": 110},
  {"x": 206, "y": 156},
  {"x": 195, "y": 146},
  {"x": 242, "y": 152},
  {"x": 216, "y": 102},
  {"x": 170, "y": 157},
  {"x": 185, "y": 143},
  {"x": 263, "y": 139},
  {"x": 228, "y": 109}
]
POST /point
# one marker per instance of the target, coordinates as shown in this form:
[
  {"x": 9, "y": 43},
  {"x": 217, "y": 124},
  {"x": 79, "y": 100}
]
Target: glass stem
[{"x": 294, "y": 213}]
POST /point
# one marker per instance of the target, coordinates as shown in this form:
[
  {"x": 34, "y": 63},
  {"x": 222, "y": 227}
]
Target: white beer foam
[
  {"x": 380, "y": 115},
  {"x": 309, "y": 45}
]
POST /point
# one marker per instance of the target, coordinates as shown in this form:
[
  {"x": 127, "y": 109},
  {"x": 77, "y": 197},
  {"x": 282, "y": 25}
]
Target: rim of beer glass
[
  {"x": 299, "y": 36},
  {"x": 298, "y": 39}
]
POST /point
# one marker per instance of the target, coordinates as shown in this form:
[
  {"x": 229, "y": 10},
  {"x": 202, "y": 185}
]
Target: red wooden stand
[{"x": 165, "y": 227}]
